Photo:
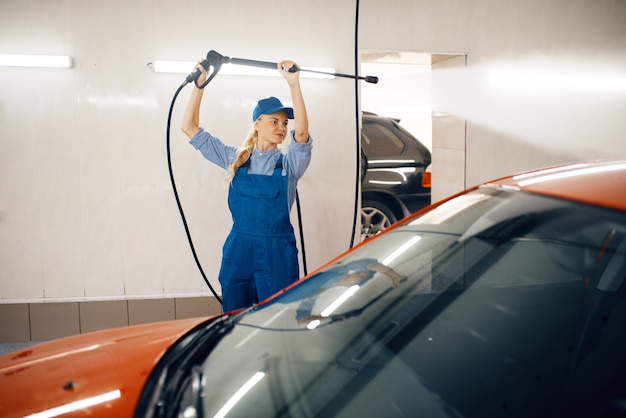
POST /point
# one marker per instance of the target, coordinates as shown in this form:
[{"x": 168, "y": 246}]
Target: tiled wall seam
[{"x": 45, "y": 321}]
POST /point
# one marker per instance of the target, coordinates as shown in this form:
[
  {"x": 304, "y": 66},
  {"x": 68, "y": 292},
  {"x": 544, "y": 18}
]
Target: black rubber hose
[
  {"x": 357, "y": 184},
  {"x": 304, "y": 267},
  {"x": 180, "y": 208}
]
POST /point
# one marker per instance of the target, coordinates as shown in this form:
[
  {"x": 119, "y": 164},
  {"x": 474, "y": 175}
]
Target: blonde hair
[{"x": 243, "y": 153}]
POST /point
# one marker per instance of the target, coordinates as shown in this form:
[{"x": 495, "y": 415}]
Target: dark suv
[{"x": 393, "y": 165}]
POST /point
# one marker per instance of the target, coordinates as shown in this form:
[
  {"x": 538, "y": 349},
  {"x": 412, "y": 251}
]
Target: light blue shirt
[{"x": 295, "y": 161}]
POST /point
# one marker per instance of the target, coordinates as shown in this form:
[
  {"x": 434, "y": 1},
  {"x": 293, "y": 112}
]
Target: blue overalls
[{"x": 260, "y": 255}]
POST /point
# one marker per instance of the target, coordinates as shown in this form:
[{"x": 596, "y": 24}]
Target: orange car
[{"x": 507, "y": 299}]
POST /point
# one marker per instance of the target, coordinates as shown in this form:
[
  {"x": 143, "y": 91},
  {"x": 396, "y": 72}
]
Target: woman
[{"x": 260, "y": 255}]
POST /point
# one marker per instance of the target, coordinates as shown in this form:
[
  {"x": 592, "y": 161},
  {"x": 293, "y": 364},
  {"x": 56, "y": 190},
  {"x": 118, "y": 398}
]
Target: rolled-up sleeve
[
  {"x": 298, "y": 157},
  {"x": 213, "y": 149},
  {"x": 297, "y": 161}
]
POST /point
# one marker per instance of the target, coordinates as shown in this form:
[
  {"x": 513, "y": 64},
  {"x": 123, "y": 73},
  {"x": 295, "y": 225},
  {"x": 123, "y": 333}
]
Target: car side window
[{"x": 378, "y": 140}]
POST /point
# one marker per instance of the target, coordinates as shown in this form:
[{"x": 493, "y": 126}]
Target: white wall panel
[
  {"x": 86, "y": 206},
  {"x": 518, "y": 126}
]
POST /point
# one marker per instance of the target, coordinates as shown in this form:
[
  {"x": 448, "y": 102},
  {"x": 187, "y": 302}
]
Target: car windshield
[{"x": 495, "y": 303}]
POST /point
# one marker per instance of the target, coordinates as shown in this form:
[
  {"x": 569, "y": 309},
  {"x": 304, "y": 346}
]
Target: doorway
[{"x": 415, "y": 87}]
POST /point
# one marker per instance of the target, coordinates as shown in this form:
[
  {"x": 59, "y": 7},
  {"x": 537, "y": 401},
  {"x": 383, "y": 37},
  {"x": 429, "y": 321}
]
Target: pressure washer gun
[
  {"x": 212, "y": 64},
  {"x": 214, "y": 60}
]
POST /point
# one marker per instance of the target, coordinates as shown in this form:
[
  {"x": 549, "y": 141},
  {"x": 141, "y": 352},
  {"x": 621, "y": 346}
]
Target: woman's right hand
[{"x": 203, "y": 73}]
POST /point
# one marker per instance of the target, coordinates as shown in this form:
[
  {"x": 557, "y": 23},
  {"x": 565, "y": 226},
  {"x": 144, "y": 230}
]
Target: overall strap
[{"x": 279, "y": 162}]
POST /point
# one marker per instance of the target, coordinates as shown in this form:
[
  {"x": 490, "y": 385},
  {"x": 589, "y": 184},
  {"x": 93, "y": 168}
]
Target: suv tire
[{"x": 375, "y": 216}]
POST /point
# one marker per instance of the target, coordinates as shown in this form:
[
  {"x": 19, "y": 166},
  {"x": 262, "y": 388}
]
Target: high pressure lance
[
  {"x": 212, "y": 64},
  {"x": 214, "y": 61}
]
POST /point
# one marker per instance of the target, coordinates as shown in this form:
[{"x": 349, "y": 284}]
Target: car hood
[
  {"x": 587, "y": 182},
  {"x": 96, "y": 374}
]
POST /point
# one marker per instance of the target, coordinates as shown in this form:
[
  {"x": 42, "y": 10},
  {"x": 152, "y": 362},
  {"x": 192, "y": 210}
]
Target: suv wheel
[{"x": 375, "y": 217}]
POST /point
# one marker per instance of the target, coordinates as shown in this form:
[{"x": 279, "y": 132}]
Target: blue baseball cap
[{"x": 268, "y": 106}]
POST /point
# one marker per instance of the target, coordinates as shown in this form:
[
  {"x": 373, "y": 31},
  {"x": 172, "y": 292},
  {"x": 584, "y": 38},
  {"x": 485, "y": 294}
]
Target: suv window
[{"x": 378, "y": 140}]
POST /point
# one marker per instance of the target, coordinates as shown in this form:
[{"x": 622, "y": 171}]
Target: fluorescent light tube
[
  {"x": 43, "y": 61},
  {"x": 186, "y": 67}
]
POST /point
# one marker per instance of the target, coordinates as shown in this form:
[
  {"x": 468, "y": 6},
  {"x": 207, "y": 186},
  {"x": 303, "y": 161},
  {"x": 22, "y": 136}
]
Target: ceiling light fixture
[{"x": 42, "y": 61}]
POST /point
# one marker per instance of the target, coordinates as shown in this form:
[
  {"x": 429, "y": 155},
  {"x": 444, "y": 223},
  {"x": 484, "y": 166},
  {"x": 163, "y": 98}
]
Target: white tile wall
[{"x": 86, "y": 208}]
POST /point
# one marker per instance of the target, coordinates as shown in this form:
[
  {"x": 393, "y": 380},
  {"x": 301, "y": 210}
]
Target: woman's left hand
[{"x": 283, "y": 68}]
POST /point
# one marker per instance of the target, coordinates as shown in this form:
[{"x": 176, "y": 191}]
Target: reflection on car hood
[{"x": 105, "y": 370}]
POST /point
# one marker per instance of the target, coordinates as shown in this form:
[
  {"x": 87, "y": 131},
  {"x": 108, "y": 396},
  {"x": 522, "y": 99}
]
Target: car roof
[
  {"x": 365, "y": 115},
  {"x": 600, "y": 183}
]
